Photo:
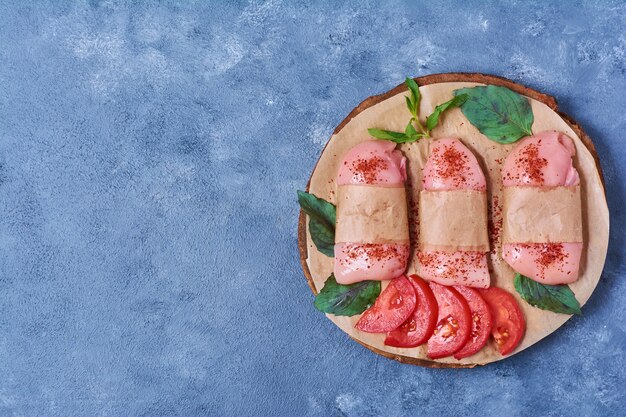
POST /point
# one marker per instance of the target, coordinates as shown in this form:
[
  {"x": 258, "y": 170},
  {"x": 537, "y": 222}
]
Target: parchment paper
[
  {"x": 542, "y": 215},
  {"x": 453, "y": 221},
  {"x": 392, "y": 114},
  {"x": 371, "y": 214}
]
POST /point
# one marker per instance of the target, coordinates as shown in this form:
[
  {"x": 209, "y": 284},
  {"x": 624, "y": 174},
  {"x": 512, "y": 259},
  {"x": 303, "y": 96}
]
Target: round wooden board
[{"x": 423, "y": 81}]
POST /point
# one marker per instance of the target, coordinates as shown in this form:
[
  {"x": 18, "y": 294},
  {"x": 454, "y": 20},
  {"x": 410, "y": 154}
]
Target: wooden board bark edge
[{"x": 426, "y": 80}]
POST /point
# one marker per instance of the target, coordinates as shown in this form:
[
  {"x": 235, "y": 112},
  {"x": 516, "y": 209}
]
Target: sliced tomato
[
  {"x": 508, "y": 320},
  {"x": 454, "y": 322},
  {"x": 481, "y": 322},
  {"x": 392, "y": 307},
  {"x": 420, "y": 325}
]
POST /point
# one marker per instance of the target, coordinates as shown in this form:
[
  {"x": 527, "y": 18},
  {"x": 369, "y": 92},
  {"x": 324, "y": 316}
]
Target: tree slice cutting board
[{"x": 388, "y": 111}]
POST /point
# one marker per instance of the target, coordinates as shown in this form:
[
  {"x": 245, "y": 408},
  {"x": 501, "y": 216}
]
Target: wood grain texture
[{"x": 422, "y": 81}]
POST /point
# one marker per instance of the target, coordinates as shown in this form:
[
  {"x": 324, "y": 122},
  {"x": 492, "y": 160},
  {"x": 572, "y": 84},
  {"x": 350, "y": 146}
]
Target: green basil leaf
[
  {"x": 322, "y": 219},
  {"x": 415, "y": 95},
  {"x": 346, "y": 300},
  {"x": 555, "y": 298},
  {"x": 410, "y": 129},
  {"x": 497, "y": 112},
  {"x": 323, "y": 237},
  {"x": 409, "y": 104},
  {"x": 397, "y": 137},
  {"x": 433, "y": 119}
]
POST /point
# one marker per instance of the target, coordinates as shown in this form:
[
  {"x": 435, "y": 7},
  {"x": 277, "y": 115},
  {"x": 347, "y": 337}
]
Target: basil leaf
[
  {"x": 323, "y": 237},
  {"x": 497, "y": 112},
  {"x": 433, "y": 119},
  {"x": 410, "y": 105},
  {"x": 555, "y": 298},
  {"x": 397, "y": 137},
  {"x": 410, "y": 129},
  {"x": 346, "y": 300},
  {"x": 415, "y": 95},
  {"x": 322, "y": 219}
]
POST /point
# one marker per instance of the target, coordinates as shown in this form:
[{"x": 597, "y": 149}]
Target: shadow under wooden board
[{"x": 541, "y": 323}]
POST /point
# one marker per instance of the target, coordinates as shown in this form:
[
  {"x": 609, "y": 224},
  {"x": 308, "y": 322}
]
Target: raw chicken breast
[
  {"x": 375, "y": 163},
  {"x": 543, "y": 160},
  {"x": 451, "y": 166}
]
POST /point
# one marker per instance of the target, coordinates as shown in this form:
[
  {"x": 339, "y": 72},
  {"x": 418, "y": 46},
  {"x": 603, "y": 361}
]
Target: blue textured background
[{"x": 149, "y": 157}]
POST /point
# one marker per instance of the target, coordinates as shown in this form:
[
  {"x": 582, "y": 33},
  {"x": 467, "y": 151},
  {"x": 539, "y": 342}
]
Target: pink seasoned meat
[
  {"x": 371, "y": 241},
  {"x": 543, "y": 160},
  {"x": 453, "y": 167}
]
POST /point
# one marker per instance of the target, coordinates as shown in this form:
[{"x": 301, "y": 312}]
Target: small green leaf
[
  {"x": 555, "y": 298},
  {"x": 415, "y": 95},
  {"x": 346, "y": 300},
  {"x": 397, "y": 137},
  {"x": 433, "y": 119},
  {"x": 323, "y": 237},
  {"x": 497, "y": 112},
  {"x": 410, "y": 130},
  {"x": 410, "y": 105},
  {"x": 322, "y": 219}
]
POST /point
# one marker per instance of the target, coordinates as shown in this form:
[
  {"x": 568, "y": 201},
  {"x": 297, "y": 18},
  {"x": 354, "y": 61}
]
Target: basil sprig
[
  {"x": 555, "y": 298},
  {"x": 414, "y": 130},
  {"x": 497, "y": 112},
  {"x": 346, "y": 300},
  {"x": 322, "y": 219}
]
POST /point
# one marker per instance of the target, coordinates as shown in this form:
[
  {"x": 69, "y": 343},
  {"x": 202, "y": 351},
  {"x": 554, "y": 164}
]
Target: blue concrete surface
[{"x": 149, "y": 157}]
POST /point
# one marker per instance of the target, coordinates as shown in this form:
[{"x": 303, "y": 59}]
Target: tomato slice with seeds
[
  {"x": 392, "y": 308},
  {"x": 481, "y": 322},
  {"x": 508, "y": 320},
  {"x": 454, "y": 322},
  {"x": 421, "y": 324}
]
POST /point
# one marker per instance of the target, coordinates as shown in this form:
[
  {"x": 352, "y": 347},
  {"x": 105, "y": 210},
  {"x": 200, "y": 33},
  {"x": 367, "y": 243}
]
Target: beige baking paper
[
  {"x": 392, "y": 114},
  {"x": 371, "y": 214},
  {"x": 542, "y": 215},
  {"x": 454, "y": 220}
]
